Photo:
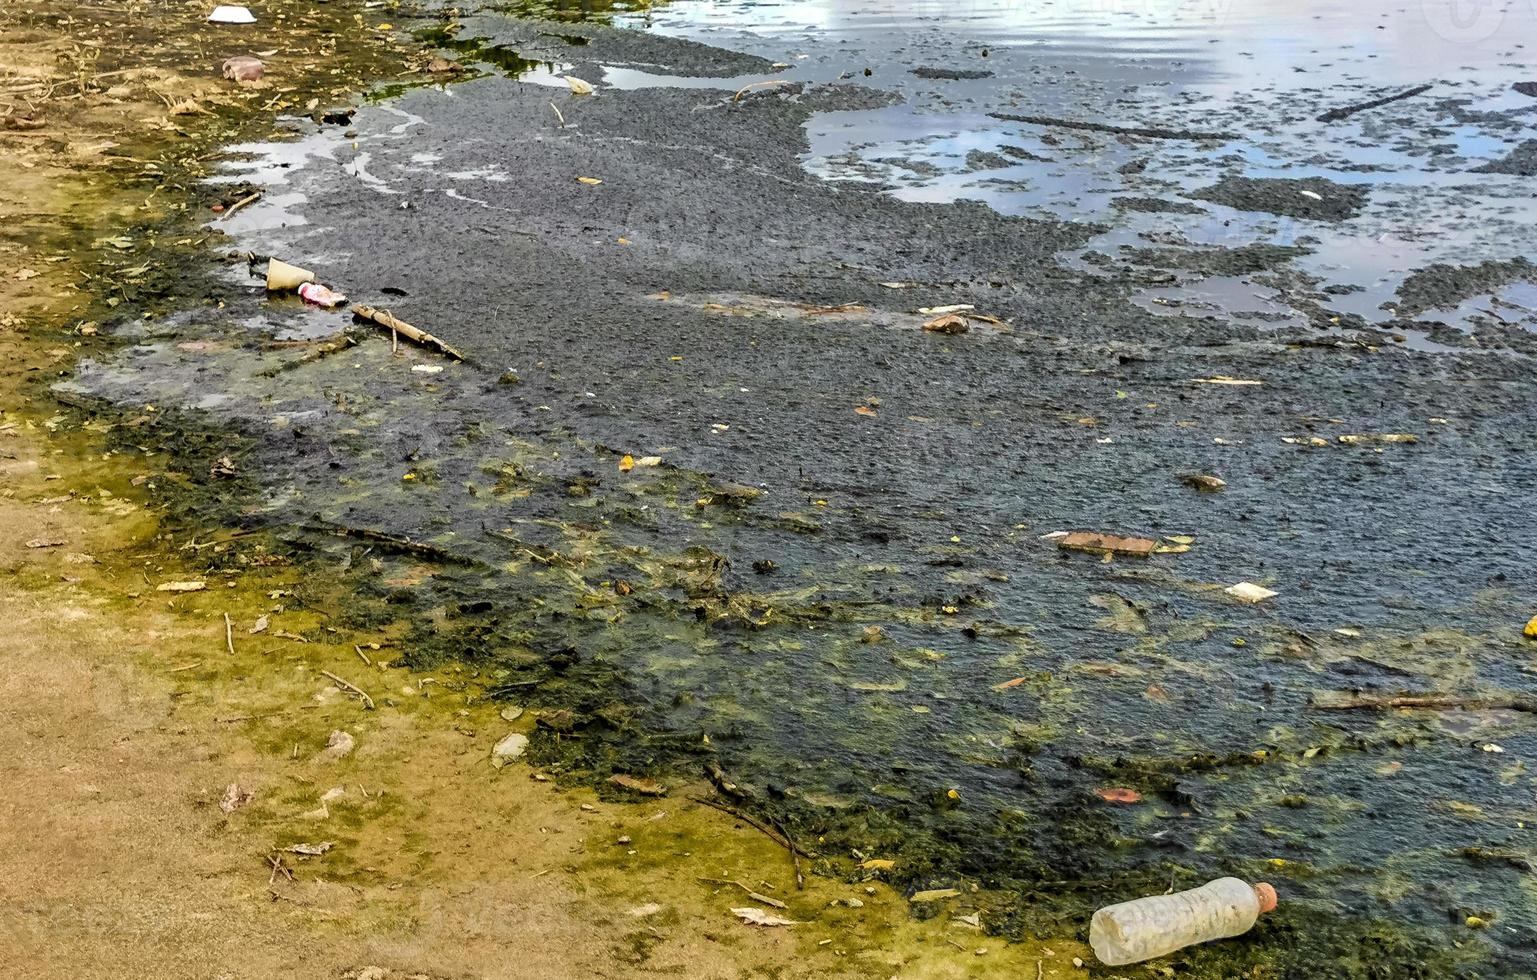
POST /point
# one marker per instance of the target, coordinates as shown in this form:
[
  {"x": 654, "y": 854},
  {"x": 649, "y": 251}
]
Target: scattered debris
[
  {"x": 260, "y": 626},
  {"x": 314, "y": 292},
  {"x": 950, "y": 323},
  {"x": 1109, "y": 544},
  {"x": 1118, "y": 794},
  {"x": 282, "y": 277},
  {"x": 351, "y": 688},
  {"x": 1249, "y": 592},
  {"x": 228, "y": 14},
  {"x": 388, "y": 321},
  {"x": 636, "y": 784},
  {"x": 758, "y": 917},
  {"x": 234, "y": 798},
  {"x": 1204, "y": 482},
  {"x": 1344, "y": 112},
  {"x": 1147, "y": 928},
  {"x": 1427, "y": 702},
  {"x": 243, "y": 69},
  {"x": 579, "y": 86},
  {"x": 772, "y": 83},
  {"x": 1148, "y": 132},
  {"x": 755, "y": 896},
  {"x": 879, "y": 864},
  {"x": 509, "y": 748},
  {"x": 1223, "y": 379},
  {"x": 643, "y": 911},
  {"x": 942, "y": 310},
  {"x": 1363, "y": 438},
  {"x": 197, "y": 586},
  {"x": 934, "y": 895},
  {"x": 338, "y": 745},
  {"x": 311, "y": 850},
  {"x": 250, "y": 198},
  {"x": 45, "y": 543}
]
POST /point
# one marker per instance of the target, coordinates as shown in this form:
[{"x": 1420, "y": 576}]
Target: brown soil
[{"x": 128, "y": 718}]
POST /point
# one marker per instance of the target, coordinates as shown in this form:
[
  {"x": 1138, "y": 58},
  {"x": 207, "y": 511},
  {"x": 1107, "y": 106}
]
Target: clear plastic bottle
[{"x": 1147, "y": 928}]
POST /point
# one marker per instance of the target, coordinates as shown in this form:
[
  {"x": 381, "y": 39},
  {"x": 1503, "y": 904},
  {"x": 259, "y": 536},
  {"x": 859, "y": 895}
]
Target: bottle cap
[{"x": 1265, "y": 892}]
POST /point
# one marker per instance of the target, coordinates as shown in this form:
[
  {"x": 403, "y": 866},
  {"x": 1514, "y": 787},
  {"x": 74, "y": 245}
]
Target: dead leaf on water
[
  {"x": 866, "y": 411},
  {"x": 949, "y": 324},
  {"x": 579, "y": 86},
  {"x": 1118, "y": 794},
  {"x": 1109, "y": 544}
]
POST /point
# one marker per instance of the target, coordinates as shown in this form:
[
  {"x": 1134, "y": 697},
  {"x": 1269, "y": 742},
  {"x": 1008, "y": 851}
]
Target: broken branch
[
  {"x": 1435, "y": 702},
  {"x": 345, "y": 685},
  {"x": 1335, "y": 115},
  {"x": 386, "y": 319}
]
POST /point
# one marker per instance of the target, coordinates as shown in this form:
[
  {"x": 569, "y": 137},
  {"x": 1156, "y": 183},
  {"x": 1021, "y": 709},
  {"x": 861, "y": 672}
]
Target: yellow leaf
[
  {"x": 589, "y": 181},
  {"x": 879, "y": 864},
  {"x": 627, "y": 463},
  {"x": 865, "y": 410},
  {"x": 578, "y": 86}
]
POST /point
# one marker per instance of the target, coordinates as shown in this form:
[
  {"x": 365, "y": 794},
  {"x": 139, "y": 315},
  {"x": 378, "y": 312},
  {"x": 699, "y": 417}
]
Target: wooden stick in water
[{"x": 387, "y": 320}]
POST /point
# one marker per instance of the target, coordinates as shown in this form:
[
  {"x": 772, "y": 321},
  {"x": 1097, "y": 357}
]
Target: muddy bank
[{"x": 831, "y": 582}]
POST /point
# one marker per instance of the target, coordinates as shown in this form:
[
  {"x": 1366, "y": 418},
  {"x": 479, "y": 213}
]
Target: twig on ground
[
  {"x": 755, "y": 896},
  {"x": 229, "y": 634},
  {"x": 368, "y": 702}
]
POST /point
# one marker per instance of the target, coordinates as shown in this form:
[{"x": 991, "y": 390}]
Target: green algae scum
[{"x": 710, "y": 504}]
